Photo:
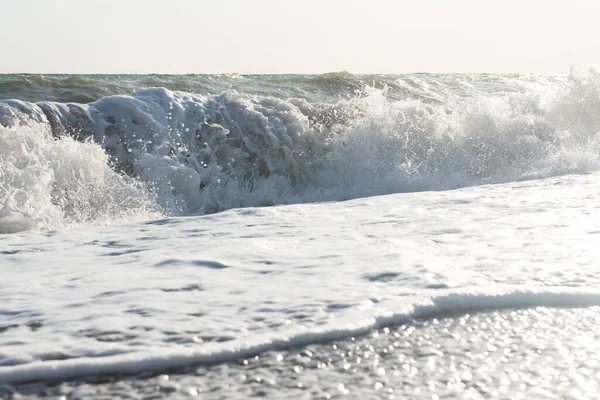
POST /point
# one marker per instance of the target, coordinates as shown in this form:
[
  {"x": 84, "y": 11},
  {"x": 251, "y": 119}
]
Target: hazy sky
[{"x": 300, "y": 36}]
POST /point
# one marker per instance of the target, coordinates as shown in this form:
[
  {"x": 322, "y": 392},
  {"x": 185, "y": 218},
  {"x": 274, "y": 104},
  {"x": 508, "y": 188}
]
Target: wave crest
[{"x": 202, "y": 154}]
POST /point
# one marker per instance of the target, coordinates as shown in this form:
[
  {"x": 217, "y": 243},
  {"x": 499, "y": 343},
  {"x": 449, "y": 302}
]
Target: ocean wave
[{"x": 194, "y": 154}]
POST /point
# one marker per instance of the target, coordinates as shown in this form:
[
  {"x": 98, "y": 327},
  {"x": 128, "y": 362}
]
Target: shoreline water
[{"x": 160, "y": 228}]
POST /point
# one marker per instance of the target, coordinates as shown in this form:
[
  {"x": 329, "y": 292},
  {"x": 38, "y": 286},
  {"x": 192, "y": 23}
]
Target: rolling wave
[{"x": 164, "y": 152}]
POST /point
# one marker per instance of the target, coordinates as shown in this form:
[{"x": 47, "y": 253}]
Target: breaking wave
[{"x": 167, "y": 152}]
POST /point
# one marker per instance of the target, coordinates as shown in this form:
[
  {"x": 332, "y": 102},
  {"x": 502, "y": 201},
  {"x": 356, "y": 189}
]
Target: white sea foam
[
  {"x": 454, "y": 302},
  {"x": 180, "y": 291}
]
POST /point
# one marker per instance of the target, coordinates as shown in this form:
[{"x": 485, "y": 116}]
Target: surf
[{"x": 182, "y": 153}]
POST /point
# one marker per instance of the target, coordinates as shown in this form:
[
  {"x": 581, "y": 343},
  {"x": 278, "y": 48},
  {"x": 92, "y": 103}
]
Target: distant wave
[{"x": 163, "y": 152}]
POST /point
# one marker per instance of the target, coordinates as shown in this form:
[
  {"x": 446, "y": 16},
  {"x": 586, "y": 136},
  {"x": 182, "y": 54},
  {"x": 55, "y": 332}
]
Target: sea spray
[{"x": 51, "y": 183}]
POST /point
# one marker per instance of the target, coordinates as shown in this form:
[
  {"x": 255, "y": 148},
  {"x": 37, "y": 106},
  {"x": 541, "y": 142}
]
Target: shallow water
[
  {"x": 184, "y": 291},
  {"x": 533, "y": 353}
]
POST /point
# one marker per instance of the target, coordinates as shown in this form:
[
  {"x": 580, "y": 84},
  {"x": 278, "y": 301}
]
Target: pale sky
[{"x": 301, "y": 36}]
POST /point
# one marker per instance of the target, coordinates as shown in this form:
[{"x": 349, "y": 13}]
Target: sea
[{"x": 416, "y": 236}]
